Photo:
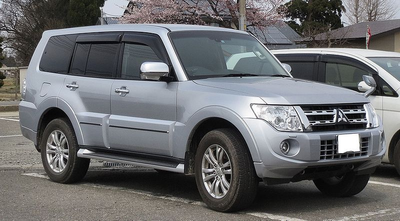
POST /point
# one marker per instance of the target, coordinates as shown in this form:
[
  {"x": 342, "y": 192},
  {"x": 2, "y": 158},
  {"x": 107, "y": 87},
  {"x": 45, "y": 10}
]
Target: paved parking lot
[{"x": 133, "y": 193}]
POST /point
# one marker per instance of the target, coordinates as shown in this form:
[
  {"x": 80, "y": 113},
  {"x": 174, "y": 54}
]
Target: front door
[{"x": 143, "y": 112}]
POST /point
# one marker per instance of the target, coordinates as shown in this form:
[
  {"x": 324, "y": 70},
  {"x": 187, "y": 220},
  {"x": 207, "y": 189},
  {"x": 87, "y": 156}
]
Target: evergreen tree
[
  {"x": 311, "y": 17},
  {"x": 83, "y": 12}
]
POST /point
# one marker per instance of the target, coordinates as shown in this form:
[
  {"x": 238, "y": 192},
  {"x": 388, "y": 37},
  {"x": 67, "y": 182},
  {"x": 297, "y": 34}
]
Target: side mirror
[
  {"x": 153, "y": 70},
  {"x": 363, "y": 87},
  {"x": 287, "y": 67},
  {"x": 368, "y": 85}
]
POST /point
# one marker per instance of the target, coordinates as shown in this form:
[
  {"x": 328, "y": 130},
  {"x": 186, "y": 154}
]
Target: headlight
[
  {"x": 372, "y": 117},
  {"x": 282, "y": 118}
]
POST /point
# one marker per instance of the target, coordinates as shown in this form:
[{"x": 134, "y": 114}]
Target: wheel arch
[
  {"x": 47, "y": 116},
  {"x": 224, "y": 119},
  {"x": 392, "y": 145},
  {"x": 62, "y": 110}
]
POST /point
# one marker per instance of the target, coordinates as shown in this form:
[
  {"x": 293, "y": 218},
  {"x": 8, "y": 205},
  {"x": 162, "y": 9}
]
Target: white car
[{"x": 344, "y": 67}]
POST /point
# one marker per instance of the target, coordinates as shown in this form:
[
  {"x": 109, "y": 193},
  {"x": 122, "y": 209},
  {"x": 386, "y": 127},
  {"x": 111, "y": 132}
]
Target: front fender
[{"x": 187, "y": 130}]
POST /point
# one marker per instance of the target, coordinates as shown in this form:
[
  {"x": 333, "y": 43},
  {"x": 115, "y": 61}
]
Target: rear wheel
[
  {"x": 346, "y": 185},
  {"x": 59, "y": 149},
  {"x": 224, "y": 171},
  {"x": 396, "y": 157}
]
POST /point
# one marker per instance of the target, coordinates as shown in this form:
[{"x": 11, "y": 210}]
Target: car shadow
[
  {"x": 289, "y": 199},
  {"x": 386, "y": 171},
  {"x": 147, "y": 181}
]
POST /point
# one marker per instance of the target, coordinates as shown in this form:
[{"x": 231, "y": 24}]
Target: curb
[{"x": 9, "y": 108}]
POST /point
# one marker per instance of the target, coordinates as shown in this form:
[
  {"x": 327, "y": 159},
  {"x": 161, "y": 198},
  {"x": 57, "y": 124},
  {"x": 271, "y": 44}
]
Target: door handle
[
  {"x": 122, "y": 91},
  {"x": 72, "y": 86}
]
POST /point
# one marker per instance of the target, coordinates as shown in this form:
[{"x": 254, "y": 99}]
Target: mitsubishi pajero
[{"x": 163, "y": 96}]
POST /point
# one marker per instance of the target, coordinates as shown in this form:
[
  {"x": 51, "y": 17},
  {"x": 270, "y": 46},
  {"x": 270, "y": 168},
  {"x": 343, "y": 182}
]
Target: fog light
[{"x": 285, "y": 147}]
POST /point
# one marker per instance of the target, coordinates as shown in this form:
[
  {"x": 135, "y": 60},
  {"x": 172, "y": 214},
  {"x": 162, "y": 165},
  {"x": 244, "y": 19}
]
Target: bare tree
[
  {"x": 23, "y": 22},
  {"x": 353, "y": 10},
  {"x": 223, "y": 12},
  {"x": 370, "y": 10}
]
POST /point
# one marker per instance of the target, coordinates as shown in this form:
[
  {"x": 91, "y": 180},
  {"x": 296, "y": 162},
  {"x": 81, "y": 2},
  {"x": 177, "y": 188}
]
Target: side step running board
[{"x": 139, "y": 161}]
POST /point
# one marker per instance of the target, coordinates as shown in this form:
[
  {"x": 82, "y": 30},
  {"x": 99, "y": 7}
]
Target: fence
[{"x": 11, "y": 90}]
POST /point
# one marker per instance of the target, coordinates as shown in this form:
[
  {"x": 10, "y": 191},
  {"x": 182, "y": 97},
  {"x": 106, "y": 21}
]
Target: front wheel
[
  {"x": 59, "y": 149},
  {"x": 224, "y": 171},
  {"x": 346, "y": 185}
]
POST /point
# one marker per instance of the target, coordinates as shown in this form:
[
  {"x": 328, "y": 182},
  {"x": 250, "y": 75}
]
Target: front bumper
[{"x": 312, "y": 154}]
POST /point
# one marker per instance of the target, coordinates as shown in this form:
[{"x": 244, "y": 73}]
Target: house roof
[
  {"x": 359, "y": 30},
  {"x": 278, "y": 33}
]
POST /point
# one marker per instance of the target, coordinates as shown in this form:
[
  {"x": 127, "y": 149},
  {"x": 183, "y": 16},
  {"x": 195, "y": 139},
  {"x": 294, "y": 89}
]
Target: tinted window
[
  {"x": 79, "y": 61},
  {"x": 344, "y": 75},
  {"x": 102, "y": 59},
  {"x": 303, "y": 70},
  {"x": 134, "y": 56},
  {"x": 57, "y": 54}
]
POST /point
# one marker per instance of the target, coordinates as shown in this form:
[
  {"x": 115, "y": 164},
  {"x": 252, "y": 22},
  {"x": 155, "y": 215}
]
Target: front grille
[
  {"x": 331, "y": 118},
  {"x": 329, "y": 150}
]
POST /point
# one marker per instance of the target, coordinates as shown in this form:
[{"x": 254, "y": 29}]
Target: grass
[{"x": 7, "y": 92}]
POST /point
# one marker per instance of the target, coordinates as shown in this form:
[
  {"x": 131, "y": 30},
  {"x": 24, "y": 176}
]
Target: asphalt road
[{"x": 134, "y": 193}]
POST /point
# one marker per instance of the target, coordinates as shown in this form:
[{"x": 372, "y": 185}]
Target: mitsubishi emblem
[{"x": 339, "y": 116}]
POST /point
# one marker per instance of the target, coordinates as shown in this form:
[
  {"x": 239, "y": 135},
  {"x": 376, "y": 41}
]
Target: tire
[
  {"x": 344, "y": 186},
  {"x": 396, "y": 157},
  {"x": 224, "y": 171},
  {"x": 59, "y": 149}
]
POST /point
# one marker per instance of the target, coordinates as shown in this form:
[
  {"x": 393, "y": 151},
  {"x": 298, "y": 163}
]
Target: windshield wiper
[{"x": 240, "y": 75}]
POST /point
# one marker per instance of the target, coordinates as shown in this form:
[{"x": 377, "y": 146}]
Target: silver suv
[{"x": 163, "y": 96}]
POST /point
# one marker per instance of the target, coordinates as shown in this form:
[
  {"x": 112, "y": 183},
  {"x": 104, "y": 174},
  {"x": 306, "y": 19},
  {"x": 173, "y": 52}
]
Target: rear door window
[
  {"x": 78, "y": 66},
  {"x": 102, "y": 60},
  {"x": 95, "y": 60}
]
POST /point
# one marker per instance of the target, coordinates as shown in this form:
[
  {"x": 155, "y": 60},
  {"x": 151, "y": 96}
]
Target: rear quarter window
[{"x": 57, "y": 54}]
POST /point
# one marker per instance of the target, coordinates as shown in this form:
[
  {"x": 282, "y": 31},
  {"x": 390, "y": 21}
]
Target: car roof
[
  {"x": 153, "y": 28},
  {"x": 351, "y": 51}
]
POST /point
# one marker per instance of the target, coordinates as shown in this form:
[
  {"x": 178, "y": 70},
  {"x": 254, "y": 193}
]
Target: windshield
[
  {"x": 206, "y": 54},
  {"x": 391, "y": 65}
]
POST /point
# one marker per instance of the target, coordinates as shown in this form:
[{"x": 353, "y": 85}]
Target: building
[
  {"x": 385, "y": 35},
  {"x": 277, "y": 36}
]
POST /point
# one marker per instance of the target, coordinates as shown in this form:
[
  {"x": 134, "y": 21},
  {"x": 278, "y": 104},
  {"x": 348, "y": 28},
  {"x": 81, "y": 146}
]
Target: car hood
[{"x": 278, "y": 90}]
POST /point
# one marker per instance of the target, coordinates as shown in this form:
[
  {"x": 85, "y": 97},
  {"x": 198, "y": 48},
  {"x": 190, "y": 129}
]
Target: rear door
[
  {"x": 87, "y": 88},
  {"x": 143, "y": 112}
]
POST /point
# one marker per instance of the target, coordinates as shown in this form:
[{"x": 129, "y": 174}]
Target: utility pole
[
  {"x": 101, "y": 16},
  {"x": 242, "y": 15}
]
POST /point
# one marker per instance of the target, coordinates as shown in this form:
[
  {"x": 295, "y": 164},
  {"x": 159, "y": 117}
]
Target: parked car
[
  {"x": 344, "y": 67},
  {"x": 162, "y": 96}
]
